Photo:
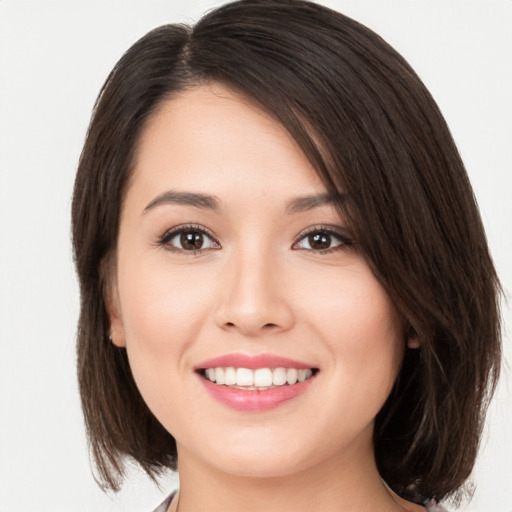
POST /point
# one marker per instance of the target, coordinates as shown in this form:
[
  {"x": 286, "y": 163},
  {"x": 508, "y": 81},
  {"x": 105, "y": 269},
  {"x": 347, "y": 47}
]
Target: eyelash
[{"x": 165, "y": 239}]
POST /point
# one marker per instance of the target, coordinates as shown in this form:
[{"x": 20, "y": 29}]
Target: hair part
[{"x": 374, "y": 134}]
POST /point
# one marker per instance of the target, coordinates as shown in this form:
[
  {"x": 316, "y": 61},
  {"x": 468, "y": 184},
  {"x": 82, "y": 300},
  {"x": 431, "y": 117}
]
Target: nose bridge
[{"x": 253, "y": 300}]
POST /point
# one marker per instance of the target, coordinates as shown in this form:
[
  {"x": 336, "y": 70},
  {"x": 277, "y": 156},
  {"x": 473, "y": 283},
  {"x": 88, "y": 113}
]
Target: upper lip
[{"x": 252, "y": 362}]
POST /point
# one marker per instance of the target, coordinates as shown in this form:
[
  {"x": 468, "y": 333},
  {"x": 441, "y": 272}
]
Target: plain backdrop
[{"x": 54, "y": 56}]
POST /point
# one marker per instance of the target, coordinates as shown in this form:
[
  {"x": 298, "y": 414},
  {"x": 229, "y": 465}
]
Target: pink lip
[
  {"x": 254, "y": 400},
  {"x": 248, "y": 399},
  {"x": 252, "y": 362}
]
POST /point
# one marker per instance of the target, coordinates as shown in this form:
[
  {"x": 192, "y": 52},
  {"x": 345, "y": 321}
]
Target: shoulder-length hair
[{"x": 376, "y": 138}]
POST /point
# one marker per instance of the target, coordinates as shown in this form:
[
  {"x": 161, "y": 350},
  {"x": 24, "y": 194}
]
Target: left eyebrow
[
  {"x": 196, "y": 200},
  {"x": 306, "y": 203}
]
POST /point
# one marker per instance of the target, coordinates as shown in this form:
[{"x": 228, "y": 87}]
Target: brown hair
[{"x": 373, "y": 132}]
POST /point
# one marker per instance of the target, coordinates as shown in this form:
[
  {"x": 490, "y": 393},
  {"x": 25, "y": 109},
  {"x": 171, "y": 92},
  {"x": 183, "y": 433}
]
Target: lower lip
[{"x": 254, "y": 400}]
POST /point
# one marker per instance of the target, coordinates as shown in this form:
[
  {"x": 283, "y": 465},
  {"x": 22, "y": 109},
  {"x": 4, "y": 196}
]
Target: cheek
[
  {"x": 353, "y": 307},
  {"x": 163, "y": 313},
  {"x": 163, "y": 310},
  {"x": 363, "y": 332}
]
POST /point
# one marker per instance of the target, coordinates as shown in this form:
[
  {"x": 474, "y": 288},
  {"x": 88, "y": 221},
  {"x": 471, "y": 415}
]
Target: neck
[{"x": 339, "y": 484}]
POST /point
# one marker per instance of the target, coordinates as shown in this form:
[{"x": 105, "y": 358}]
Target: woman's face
[{"x": 231, "y": 256}]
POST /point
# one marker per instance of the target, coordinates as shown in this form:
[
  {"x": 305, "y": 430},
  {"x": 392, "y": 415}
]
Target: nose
[{"x": 254, "y": 297}]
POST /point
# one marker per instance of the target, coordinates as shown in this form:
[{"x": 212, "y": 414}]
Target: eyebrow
[
  {"x": 208, "y": 202},
  {"x": 306, "y": 203},
  {"x": 203, "y": 201}
]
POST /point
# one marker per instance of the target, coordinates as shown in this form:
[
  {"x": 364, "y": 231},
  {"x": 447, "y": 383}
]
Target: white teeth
[
  {"x": 219, "y": 375},
  {"x": 244, "y": 377},
  {"x": 279, "y": 376},
  {"x": 261, "y": 378},
  {"x": 230, "y": 376},
  {"x": 291, "y": 375},
  {"x": 304, "y": 374}
]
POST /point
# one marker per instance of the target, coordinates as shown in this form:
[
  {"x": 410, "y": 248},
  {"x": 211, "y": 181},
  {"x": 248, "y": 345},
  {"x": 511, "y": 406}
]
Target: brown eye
[
  {"x": 191, "y": 240},
  {"x": 322, "y": 240},
  {"x": 319, "y": 241},
  {"x": 188, "y": 239}
]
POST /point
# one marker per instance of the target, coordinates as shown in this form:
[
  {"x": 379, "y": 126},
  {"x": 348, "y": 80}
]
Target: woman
[{"x": 285, "y": 280}]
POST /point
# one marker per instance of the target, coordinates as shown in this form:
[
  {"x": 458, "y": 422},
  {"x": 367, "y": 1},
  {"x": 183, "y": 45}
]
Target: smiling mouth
[{"x": 259, "y": 379}]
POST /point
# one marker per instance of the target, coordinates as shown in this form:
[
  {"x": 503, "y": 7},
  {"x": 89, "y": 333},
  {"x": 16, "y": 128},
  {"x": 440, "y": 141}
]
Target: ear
[
  {"x": 413, "y": 341},
  {"x": 112, "y": 304}
]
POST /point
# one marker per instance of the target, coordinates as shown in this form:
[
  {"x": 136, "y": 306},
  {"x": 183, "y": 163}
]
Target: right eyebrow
[
  {"x": 306, "y": 203},
  {"x": 194, "y": 199}
]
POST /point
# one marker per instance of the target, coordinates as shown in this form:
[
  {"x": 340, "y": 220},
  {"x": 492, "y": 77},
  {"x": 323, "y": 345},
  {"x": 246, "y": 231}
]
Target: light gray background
[{"x": 54, "y": 56}]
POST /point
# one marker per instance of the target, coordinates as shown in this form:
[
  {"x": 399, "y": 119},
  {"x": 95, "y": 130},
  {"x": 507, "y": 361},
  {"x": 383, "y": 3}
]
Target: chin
[
  {"x": 263, "y": 454},
  {"x": 261, "y": 465}
]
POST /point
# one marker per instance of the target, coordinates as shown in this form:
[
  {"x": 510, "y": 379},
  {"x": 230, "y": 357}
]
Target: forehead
[{"x": 209, "y": 136}]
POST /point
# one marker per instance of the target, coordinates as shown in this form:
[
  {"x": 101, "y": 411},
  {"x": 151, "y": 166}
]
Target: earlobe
[
  {"x": 117, "y": 340},
  {"x": 116, "y": 333},
  {"x": 413, "y": 341},
  {"x": 111, "y": 297}
]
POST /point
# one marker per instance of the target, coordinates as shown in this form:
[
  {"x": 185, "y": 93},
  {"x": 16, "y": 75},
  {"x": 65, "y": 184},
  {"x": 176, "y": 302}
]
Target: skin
[{"x": 256, "y": 287}]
